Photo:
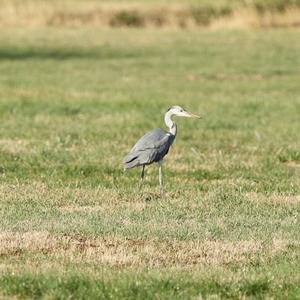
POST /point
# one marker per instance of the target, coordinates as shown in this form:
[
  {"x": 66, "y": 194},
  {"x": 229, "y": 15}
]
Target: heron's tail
[{"x": 130, "y": 161}]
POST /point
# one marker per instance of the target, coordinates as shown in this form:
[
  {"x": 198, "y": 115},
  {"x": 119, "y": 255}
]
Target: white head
[
  {"x": 180, "y": 112},
  {"x": 176, "y": 111}
]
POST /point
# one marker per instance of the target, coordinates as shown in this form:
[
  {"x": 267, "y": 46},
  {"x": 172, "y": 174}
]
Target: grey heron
[{"x": 155, "y": 144}]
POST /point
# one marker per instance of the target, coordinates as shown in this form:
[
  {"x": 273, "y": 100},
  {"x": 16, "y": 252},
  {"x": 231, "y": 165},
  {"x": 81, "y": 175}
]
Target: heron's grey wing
[
  {"x": 151, "y": 147},
  {"x": 151, "y": 139}
]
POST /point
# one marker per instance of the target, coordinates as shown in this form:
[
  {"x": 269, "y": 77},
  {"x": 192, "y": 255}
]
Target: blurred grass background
[{"x": 158, "y": 14}]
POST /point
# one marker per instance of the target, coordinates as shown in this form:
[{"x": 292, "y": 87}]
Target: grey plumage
[{"x": 151, "y": 147}]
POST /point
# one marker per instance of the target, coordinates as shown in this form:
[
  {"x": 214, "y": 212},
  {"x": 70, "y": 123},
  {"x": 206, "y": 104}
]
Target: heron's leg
[
  {"x": 161, "y": 184},
  {"x": 142, "y": 176}
]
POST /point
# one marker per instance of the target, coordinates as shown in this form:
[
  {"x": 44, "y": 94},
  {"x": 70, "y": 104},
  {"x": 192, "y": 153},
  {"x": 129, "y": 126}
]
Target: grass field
[{"x": 73, "y": 226}]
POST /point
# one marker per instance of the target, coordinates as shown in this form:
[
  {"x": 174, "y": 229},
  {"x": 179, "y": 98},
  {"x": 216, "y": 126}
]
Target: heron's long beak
[{"x": 194, "y": 116}]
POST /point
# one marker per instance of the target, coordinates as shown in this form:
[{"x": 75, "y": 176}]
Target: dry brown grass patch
[
  {"x": 129, "y": 252},
  {"x": 14, "y": 146},
  {"x": 138, "y": 206},
  {"x": 293, "y": 164},
  {"x": 60, "y": 196},
  {"x": 108, "y": 14},
  {"x": 274, "y": 198}
]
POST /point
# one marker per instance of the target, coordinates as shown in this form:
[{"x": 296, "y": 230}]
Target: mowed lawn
[{"x": 73, "y": 224}]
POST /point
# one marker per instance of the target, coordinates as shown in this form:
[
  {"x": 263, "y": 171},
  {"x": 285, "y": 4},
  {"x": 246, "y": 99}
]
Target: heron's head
[{"x": 180, "y": 112}]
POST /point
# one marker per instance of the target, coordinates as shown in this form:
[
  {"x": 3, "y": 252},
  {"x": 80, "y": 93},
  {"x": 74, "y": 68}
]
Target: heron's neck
[{"x": 169, "y": 122}]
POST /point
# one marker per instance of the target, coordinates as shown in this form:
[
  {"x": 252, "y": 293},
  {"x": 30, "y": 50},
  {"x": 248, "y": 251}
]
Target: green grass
[{"x": 72, "y": 224}]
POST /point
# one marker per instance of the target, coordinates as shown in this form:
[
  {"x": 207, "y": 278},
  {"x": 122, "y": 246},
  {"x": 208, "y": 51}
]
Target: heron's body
[
  {"x": 150, "y": 148},
  {"x": 155, "y": 144}
]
